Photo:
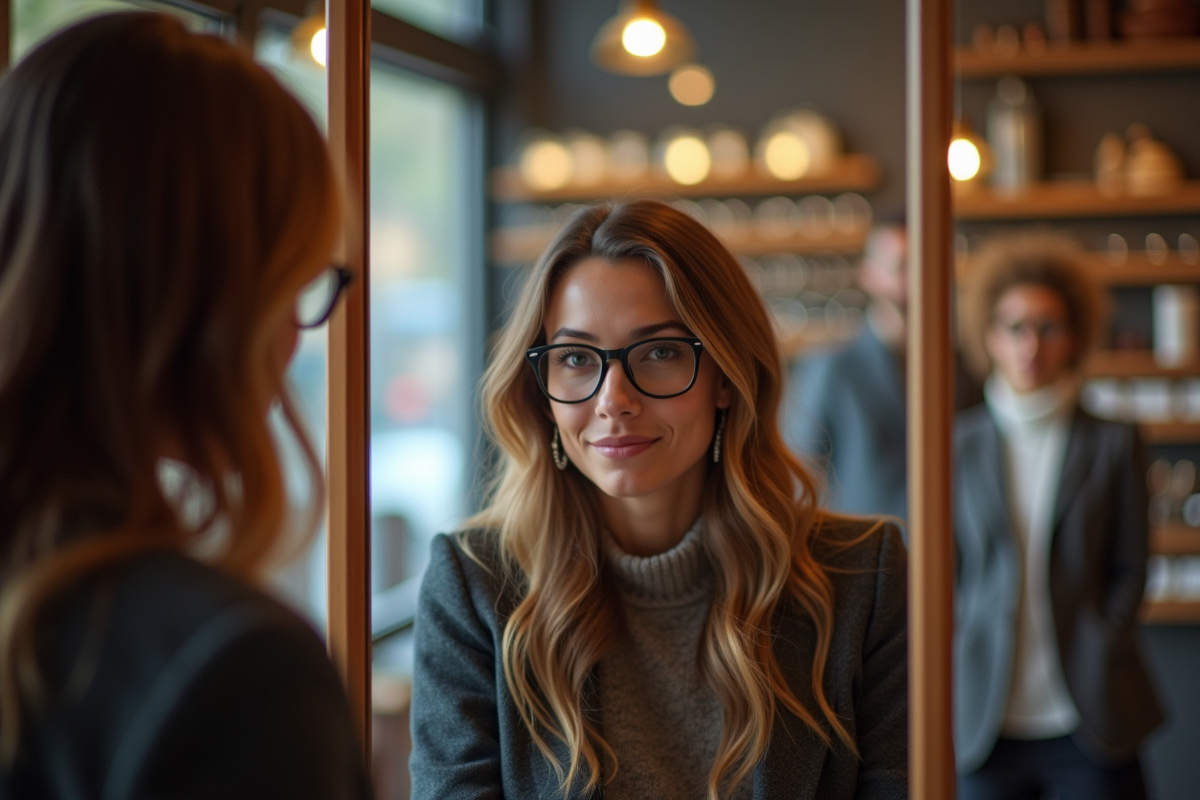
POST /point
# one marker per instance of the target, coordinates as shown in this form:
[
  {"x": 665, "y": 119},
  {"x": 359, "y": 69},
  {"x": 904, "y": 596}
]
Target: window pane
[
  {"x": 303, "y": 583},
  {"x": 421, "y": 280},
  {"x": 453, "y": 19},
  {"x": 34, "y": 20},
  {"x": 423, "y": 283}
]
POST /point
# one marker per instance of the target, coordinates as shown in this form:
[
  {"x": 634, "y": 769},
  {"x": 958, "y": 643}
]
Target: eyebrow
[{"x": 635, "y": 334}]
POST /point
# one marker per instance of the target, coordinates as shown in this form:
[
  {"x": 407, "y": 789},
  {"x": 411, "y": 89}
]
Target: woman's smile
[{"x": 623, "y": 446}]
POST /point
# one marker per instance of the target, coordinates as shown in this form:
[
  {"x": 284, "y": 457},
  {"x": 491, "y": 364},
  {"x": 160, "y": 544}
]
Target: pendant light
[
  {"x": 310, "y": 40},
  {"x": 641, "y": 40},
  {"x": 969, "y": 158}
]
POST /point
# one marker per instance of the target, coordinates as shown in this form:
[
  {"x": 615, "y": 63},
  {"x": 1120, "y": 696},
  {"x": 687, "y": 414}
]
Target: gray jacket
[
  {"x": 469, "y": 742},
  {"x": 845, "y": 411},
  {"x": 1097, "y": 572}
]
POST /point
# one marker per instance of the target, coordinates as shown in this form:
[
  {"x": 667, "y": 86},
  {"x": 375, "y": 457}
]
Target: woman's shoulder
[
  {"x": 174, "y": 646},
  {"x": 168, "y": 611},
  {"x": 848, "y": 543},
  {"x": 467, "y": 574}
]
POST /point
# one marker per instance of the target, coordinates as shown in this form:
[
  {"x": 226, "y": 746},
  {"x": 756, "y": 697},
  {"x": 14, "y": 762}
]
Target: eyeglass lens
[
  {"x": 1042, "y": 329},
  {"x": 659, "y": 368},
  {"x": 316, "y": 300}
]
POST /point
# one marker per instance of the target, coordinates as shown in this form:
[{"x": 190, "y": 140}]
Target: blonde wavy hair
[
  {"x": 163, "y": 201},
  {"x": 760, "y": 509}
]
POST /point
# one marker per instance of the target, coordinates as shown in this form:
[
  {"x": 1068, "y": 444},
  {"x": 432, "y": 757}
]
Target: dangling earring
[
  {"x": 717, "y": 438},
  {"x": 556, "y": 451}
]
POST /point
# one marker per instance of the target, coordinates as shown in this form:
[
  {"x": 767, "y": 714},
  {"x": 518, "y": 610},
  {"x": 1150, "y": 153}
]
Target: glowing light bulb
[
  {"x": 692, "y": 85},
  {"x": 964, "y": 159},
  {"x": 644, "y": 37},
  {"x": 687, "y": 160},
  {"x": 320, "y": 47},
  {"x": 546, "y": 165},
  {"x": 787, "y": 156}
]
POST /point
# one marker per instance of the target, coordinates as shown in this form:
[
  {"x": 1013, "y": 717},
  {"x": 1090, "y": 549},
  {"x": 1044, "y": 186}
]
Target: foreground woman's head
[
  {"x": 163, "y": 202},
  {"x": 640, "y": 360}
]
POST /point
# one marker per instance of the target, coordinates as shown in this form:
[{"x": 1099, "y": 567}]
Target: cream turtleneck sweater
[
  {"x": 656, "y": 711},
  {"x": 1033, "y": 429}
]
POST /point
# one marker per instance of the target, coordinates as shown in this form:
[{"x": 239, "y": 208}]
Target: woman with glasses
[
  {"x": 652, "y": 604},
  {"x": 1051, "y": 695},
  {"x": 166, "y": 219}
]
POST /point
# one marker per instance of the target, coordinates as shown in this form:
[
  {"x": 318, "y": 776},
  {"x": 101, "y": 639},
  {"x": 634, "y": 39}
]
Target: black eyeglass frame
[
  {"x": 536, "y": 354},
  {"x": 345, "y": 277}
]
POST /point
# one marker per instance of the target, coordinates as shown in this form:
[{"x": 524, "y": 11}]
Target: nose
[
  {"x": 617, "y": 396},
  {"x": 1029, "y": 343}
]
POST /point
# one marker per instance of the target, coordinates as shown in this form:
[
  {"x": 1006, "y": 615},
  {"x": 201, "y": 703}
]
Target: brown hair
[
  {"x": 1040, "y": 258},
  {"x": 163, "y": 200},
  {"x": 760, "y": 508}
]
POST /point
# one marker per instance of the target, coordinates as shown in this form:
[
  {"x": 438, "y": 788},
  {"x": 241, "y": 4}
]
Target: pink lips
[{"x": 622, "y": 446}]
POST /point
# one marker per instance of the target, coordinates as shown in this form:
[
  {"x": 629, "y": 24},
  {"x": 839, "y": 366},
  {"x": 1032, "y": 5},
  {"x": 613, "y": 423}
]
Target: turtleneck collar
[
  {"x": 1013, "y": 410},
  {"x": 678, "y": 577}
]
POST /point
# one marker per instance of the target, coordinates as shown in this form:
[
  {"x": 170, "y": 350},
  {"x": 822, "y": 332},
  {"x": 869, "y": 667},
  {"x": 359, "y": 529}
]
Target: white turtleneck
[{"x": 1033, "y": 429}]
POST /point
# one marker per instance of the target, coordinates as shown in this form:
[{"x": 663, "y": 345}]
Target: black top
[
  {"x": 469, "y": 742},
  {"x": 169, "y": 680}
]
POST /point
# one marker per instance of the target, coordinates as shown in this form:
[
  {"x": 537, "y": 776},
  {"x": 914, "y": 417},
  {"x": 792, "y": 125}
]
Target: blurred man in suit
[{"x": 846, "y": 408}]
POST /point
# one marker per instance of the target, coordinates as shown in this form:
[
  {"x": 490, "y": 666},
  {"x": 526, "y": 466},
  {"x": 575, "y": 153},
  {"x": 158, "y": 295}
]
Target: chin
[{"x": 623, "y": 482}]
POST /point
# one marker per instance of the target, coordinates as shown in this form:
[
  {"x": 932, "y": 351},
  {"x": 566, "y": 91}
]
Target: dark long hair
[{"x": 162, "y": 200}]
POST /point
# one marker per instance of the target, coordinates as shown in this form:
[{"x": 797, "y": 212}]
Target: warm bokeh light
[
  {"x": 786, "y": 156},
  {"x": 546, "y": 165},
  {"x": 320, "y": 47},
  {"x": 687, "y": 160},
  {"x": 692, "y": 85},
  {"x": 644, "y": 37},
  {"x": 964, "y": 159}
]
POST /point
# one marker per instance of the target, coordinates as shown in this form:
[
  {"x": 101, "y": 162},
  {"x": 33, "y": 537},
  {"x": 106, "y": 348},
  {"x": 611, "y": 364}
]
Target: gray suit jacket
[
  {"x": 845, "y": 410},
  {"x": 469, "y": 743},
  {"x": 1097, "y": 572}
]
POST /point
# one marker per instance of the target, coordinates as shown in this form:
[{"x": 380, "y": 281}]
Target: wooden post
[
  {"x": 930, "y": 404},
  {"x": 6, "y": 32},
  {"x": 349, "y": 36}
]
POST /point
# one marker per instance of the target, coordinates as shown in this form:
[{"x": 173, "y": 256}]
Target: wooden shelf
[
  {"x": 1134, "y": 364},
  {"x": 1135, "y": 270},
  {"x": 1058, "y": 199},
  {"x": 1170, "y": 432},
  {"x": 1175, "y": 540},
  {"x": 852, "y": 173},
  {"x": 522, "y": 245},
  {"x": 1084, "y": 58},
  {"x": 1170, "y": 612}
]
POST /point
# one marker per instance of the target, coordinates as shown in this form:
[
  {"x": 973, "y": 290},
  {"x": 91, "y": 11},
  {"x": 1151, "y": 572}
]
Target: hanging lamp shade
[{"x": 641, "y": 40}]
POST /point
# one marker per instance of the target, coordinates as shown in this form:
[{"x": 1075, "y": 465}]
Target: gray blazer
[
  {"x": 845, "y": 410},
  {"x": 1097, "y": 572},
  {"x": 468, "y": 741}
]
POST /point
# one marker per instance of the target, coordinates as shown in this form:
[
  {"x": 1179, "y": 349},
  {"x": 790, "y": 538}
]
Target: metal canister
[{"x": 1014, "y": 132}]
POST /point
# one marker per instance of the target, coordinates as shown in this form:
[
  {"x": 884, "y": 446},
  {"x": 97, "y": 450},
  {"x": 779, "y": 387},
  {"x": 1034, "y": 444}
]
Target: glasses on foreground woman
[
  {"x": 167, "y": 214},
  {"x": 652, "y": 602}
]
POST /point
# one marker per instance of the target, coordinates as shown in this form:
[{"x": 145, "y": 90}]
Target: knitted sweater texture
[{"x": 657, "y": 712}]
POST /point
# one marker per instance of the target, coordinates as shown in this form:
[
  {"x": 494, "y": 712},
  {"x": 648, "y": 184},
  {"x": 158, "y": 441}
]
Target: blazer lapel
[
  {"x": 1077, "y": 463},
  {"x": 795, "y": 757},
  {"x": 886, "y": 397},
  {"x": 987, "y": 485}
]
